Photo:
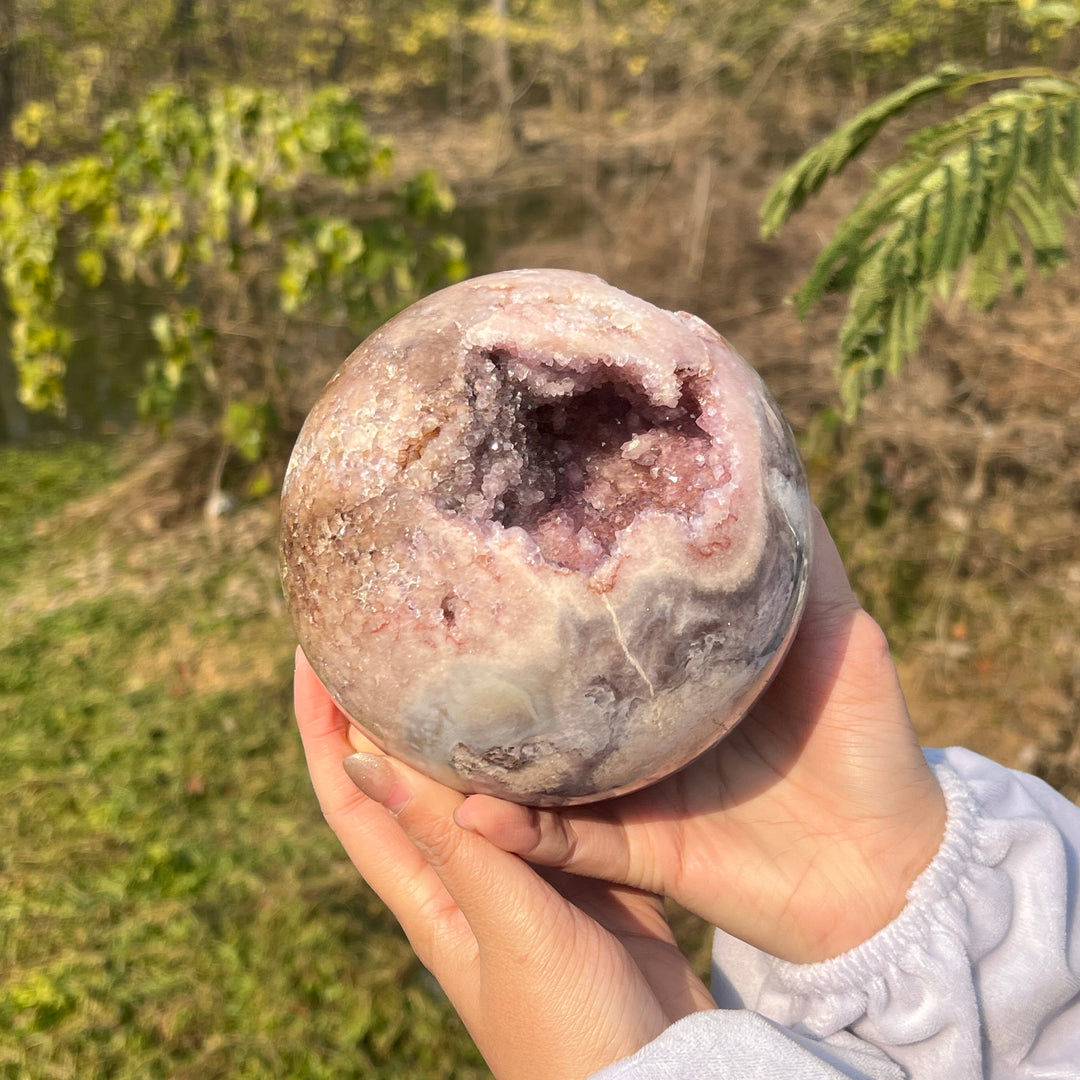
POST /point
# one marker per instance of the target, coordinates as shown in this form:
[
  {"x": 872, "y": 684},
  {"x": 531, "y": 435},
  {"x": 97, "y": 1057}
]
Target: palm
[{"x": 604, "y": 957}]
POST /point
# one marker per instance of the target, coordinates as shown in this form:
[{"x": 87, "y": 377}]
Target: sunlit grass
[{"x": 171, "y": 901}]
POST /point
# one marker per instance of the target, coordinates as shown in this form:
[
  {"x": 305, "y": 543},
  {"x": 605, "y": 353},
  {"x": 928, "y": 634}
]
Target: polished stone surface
[{"x": 543, "y": 539}]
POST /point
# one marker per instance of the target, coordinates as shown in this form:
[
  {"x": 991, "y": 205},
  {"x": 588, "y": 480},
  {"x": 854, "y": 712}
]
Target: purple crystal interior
[{"x": 543, "y": 539}]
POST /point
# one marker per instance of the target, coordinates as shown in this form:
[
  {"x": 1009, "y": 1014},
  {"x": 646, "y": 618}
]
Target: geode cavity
[{"x": 543, "y": 539}]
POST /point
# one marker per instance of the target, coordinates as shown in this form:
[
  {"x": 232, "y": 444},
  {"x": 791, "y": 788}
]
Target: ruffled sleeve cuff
[{"x": 983, "y": 961}]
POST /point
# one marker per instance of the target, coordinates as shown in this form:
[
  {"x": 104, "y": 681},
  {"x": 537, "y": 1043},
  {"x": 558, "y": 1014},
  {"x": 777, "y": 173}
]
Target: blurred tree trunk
[
  {"x": 8, "y": 75},
  {"x": 13, "y": 423},
  {"x": 500, "y": 59},
  {"x": 182, "y": 33},
  {"x": 591, "y": 39},
  {"x": 344, "y": 53}
]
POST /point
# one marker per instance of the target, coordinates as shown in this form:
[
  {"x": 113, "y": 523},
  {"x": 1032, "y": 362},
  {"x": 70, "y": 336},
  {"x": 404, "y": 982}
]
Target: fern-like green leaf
[
  {"x": 1044, "y": 229},
  {"x": 853, "y": 243},
  {"x": 988, "y": 190},
  {"x": 938, "y": 235},
  {"x": 826, "y": 159},
  {"x": 1014, "y": 155},
  {"x": 1044, "y": 146},
  {"x": 1014, "y": 263},
  {"x": 919, "y": 231},
  {"x": 1070, "y": 148},
  {"x": 954, "y": 227},
  {"x": 989, "y": 268}
]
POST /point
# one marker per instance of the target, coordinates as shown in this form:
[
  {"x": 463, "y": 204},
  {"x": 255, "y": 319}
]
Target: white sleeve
[{"x": 978, "y": 978}]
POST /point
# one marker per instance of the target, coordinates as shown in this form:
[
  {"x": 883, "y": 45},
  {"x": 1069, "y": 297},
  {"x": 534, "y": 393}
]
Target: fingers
[
  {"x": 387, "y": 860},
  {"x": 398, "y": 828},
  {"x": 640, "y": 922},
  {"x": 585, "y": 842},
  {"x": 531, "y": 963},
  {"x": 324, "y": 732},
  {"x": 810, "y": 670},
  {"x": 502, "y": 899},
  {"x": 839, "y": 645}
]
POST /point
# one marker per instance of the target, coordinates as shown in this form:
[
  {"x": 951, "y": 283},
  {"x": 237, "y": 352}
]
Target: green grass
[
  {"x": 171, "y": 901},
  {"x": 35, "y": 483}
]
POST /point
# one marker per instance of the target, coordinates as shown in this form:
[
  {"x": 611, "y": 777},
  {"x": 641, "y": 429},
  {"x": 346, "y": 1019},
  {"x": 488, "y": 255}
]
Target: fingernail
[
  {"x": 461, "y": 817},
  {"x": 378, "y": 780}
]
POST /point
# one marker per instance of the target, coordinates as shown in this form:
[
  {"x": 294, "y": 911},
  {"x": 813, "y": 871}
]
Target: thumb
[
  {"x": 581, "y": 840},
  {"x": 830, "y": 603}
]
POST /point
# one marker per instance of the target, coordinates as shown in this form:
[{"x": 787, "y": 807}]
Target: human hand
[
  {"x": 802, "y": 830},
  {"x": 553, "y": 975}
]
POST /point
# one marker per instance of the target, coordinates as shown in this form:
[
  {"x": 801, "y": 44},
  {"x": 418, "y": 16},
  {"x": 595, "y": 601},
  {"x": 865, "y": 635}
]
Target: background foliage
[
  {"x": 237, "y": 214},
  {"x": 246, "y": 195}
]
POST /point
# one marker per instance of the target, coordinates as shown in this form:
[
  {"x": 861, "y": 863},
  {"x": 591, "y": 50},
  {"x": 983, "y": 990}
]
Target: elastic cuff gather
[{"x": 934, "y": 902}]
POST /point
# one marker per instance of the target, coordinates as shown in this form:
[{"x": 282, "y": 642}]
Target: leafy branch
[
  {"x": 967, "y": 207},
  {"x": 240, "y": 216}
]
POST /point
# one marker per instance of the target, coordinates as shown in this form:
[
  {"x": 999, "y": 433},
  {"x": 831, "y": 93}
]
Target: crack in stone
[{"x": 626, "y": 652}]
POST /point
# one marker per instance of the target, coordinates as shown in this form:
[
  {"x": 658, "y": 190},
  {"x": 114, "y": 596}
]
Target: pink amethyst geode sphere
[{"x": 543, "y": 539}]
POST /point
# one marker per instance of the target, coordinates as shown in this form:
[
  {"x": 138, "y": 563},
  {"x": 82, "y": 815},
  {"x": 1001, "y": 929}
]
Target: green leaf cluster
[
  {"x": 967, "y": 207},
  {"x": 240, "y": 215}
]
